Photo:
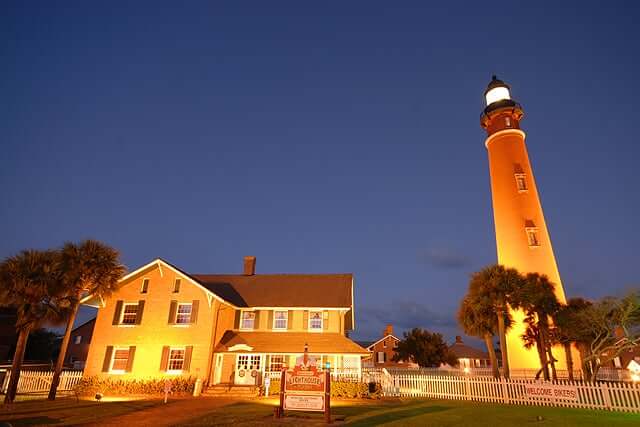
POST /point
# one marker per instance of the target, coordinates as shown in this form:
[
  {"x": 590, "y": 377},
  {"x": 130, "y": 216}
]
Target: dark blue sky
[{"x": 320, "y": 137}]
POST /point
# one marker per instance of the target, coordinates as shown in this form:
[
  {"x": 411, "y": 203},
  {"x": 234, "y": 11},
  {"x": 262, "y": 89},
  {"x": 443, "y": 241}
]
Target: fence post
[{"x": 605, "y": 394}]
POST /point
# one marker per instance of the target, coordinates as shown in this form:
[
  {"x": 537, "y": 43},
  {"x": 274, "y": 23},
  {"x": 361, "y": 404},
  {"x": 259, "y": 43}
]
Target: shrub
[
  {"x": 89, "y": 386},
  {"x": 338, "y": 389}
]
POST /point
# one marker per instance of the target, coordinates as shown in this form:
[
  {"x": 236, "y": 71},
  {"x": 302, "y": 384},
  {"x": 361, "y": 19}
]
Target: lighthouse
[{"x": 522, "y": 238}]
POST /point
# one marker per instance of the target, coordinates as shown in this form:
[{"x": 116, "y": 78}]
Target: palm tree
[
  {"x": 568, "y": 328},
  {"x": 90, "y": 268},
  {"x": 537, "y": 298},
  {"x": 28, "y": 283},
  {"x": 493, "y": 286},
  {"x": 480, "y": 321}
]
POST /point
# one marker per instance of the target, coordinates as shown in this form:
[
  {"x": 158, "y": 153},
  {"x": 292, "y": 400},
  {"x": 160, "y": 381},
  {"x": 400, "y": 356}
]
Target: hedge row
[
  {"x": 338, "y": 389},
  {"x": 118, "y": 387}
]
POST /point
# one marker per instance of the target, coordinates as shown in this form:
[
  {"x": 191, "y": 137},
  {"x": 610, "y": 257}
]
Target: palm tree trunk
[
  {"x": 552, "y": 362},
  {"x": 569, "y": 358},
  {"x": 543, "y": 351},
  {"x": 503, "y": 344},
  {"x": 492, "y": 355},
  {"x": 18, "y": 357},
  {"x": 55, "y": 381}
]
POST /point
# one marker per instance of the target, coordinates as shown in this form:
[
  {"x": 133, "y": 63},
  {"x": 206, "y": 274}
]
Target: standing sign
[{"x": 305, "y": 388}]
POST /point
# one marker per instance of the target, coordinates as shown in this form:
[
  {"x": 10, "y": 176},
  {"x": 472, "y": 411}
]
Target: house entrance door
[{"x": 248, "y": 369}]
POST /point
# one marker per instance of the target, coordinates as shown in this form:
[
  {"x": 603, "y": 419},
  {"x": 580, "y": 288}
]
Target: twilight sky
[{"x": 320, "y": 137}]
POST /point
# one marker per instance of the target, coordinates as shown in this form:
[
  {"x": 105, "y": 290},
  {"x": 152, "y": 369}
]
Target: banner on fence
[{"x": 556, "y": 391}]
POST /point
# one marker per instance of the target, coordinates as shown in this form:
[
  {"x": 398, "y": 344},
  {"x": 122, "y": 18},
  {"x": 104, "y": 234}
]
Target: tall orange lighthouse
[{"x": 522, "y": 239}]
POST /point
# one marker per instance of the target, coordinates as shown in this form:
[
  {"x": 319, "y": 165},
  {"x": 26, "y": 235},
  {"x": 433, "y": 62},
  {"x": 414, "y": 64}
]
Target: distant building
[
  {"x": 78, "y": 347},
  {"x": 383, "y": 351},
  {"x": 469, "y": 357}
]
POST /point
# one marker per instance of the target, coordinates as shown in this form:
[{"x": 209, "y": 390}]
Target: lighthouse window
[
  {"x": 532, "y": 237},
  {"x": 521, "y": 182},
  {"x": 507, "y": 121}
]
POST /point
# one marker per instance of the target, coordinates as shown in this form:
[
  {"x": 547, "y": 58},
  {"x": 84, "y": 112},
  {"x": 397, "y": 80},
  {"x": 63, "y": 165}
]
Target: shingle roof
[
  {"x": 463, "y": 351},
  {"x": 281, "y": 290},
  {"x": 290, "y": 342}
]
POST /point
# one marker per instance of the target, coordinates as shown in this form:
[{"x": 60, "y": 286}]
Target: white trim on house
[
  {"x": 159, "y": 263},
  {"x": 370, "y": 348}
]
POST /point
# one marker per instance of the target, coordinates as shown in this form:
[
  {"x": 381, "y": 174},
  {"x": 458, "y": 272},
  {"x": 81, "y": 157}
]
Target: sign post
[{"x": 305, "y": 388}]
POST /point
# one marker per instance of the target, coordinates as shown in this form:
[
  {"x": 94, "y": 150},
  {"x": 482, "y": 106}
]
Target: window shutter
[
  {"x": 164, "y": 361},
  {"x": 270, "y": 321},
  {"x": 325, "y": 320},
  {"x": 187, "y": 358},
  {"x": 140, "y": 311},
  {"x": 236, "y": 322},
  {"x": 132, "y": 353},
  {"x": 172, "y": 312},
  {"x": 194, "y": 311},
  {"x": 290, "y": 319},
  {"x": 305, "y": 320},
  {"x": 107, "y": 359},
  {"x": 256, "y": 320},
  {"x": 117, "y": 312}
]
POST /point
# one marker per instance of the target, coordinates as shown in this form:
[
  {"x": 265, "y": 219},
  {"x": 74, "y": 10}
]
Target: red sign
[{"x": 304, "y": 379}]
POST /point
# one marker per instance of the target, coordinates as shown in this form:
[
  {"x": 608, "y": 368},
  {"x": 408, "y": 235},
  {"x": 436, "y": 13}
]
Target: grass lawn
[
  {"x": 212, "y": 411},
  {"x": 420, "y": 413}
]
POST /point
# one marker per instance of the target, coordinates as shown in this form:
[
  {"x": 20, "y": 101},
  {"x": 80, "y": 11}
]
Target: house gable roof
[
  {"x": 463, "y": 351},
  {"x": 281, "y": 290},
  {"x": 370, "y": 346},
  {"x": 328, "y": 291}
]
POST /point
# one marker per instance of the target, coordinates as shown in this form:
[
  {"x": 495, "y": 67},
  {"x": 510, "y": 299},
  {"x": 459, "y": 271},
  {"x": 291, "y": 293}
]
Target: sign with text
[
  {"x": 304, "y": 379},
  {"x": 551, "y": 391},
  {"x": 304, "y": 402}
]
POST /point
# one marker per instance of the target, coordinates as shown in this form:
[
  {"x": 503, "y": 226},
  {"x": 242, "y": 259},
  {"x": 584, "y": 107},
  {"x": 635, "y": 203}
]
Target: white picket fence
[
  {"x": 40, "y": 381},
  {"x": 602, "y": 395}
]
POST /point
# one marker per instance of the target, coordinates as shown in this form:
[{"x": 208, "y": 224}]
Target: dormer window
[
  {"x": 315, "y": 320},
  {"x": 280, "y": 319},
  {"x": 247, "y": 320}
]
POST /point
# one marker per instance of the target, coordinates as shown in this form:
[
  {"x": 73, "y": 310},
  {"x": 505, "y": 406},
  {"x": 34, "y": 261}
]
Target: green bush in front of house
[
  {"x": 338, "y": 389},
  {"x": 119, "y": 387}
]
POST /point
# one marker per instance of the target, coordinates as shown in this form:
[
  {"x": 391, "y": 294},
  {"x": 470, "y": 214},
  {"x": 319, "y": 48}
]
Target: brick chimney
[
  {"x": 388, "y": 330},
  {"x": 249, "y": 266},
  {"x": 458, "y": 339}
]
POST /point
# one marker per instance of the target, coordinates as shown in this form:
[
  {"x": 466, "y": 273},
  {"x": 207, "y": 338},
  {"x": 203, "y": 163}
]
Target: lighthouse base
[{"x": 525, "y": 362}]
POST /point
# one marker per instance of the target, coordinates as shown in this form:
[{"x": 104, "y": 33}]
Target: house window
[
  {"x": 315, "y": 320},
  {"x": 247, "y": 320},
  {"x": 381, "y": 356},
  {"x": 129, "y": 314},
  {"x": 176, "y": 286},
  {"x": 521, "y": 182},
  {"x": 176, "y": 359},
  {"x": 276, "y": 363},
  {"x": 119, "y": 360},
  {"x": 254, "y": 364},
  {"x": 384, "y": 344},
  {"x": 616, "y": 362},
  {"x": 77, "y": 339},
  {"x": 280, "y": 319},
  {"x": 145, "y": 286},
  {"x": 395, "y": 344},
  {"x": 532, "y": 237},
  {"x": 183, "y": 313}
]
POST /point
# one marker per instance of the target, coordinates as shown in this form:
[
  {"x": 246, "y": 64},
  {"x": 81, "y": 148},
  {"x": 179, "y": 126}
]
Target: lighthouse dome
[{"x": 497, "y": 90}]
